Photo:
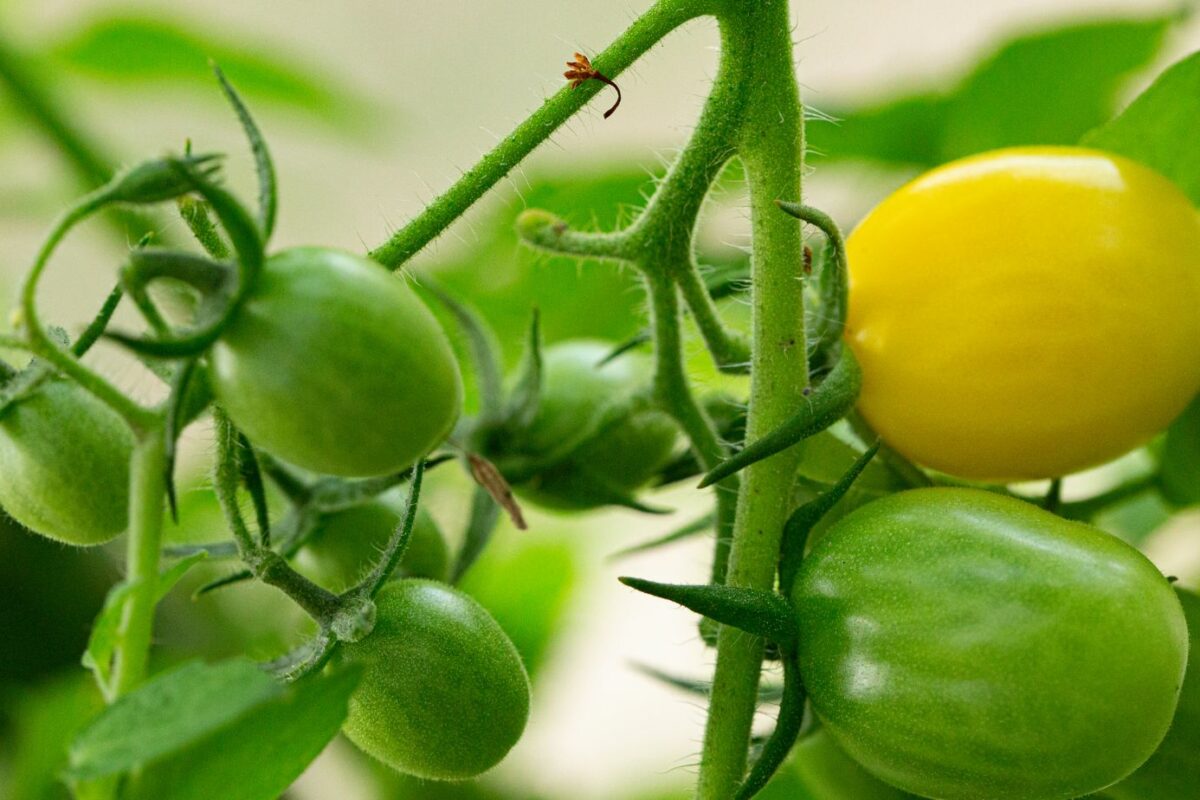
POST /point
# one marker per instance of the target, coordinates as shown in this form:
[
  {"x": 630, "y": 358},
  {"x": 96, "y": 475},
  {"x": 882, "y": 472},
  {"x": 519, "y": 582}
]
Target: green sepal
[
  {"x": 252, "y": 479},
  {"x": 828, "y": 403},
  {"x": 637, "y": 340},
  {"x": 787, "y": 729},
  {"x": 263, "y": 166},
  {"x": 526, "y": 396},
  {"x": 484, "y": 352},
  {"x": 239, "y": 225},
  {"x": 704, "y": 524},
  {"x": 146, "y": 264},
  {"x": 801, "y": 522},
  {"x": 95, "y": 328},
  {"x": 485, "y": 513},
  {"x": 758, "y": 611},
  {"x": 173, "y": 424},
  {"x": 158, "y": 180}
]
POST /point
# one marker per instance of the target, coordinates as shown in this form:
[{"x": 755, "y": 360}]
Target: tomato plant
[
  {"x": 362, "y": 365},
  {"x": 64, "y": 462},
  {"x": 444, "y": 694},
  {"x": 854, "y": 410},
  {"x": 1089, "y": 263},
  {"x": 941, "y": 644}
]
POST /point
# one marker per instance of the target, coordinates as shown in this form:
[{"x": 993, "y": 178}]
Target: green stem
[
  {"x": 730, "y": 352},
  {"x": 771, "y": 146},
  {"x": 146, "y": 490},
  {"x": 139, "y": 418},
  {"x": 664, "y": 17}
]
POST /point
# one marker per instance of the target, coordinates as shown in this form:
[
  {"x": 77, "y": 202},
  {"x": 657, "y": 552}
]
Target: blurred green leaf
[
  {"x": 1159, "y": 127},
  {"x": 45, "y": 720},
  {"x": 170, "y": 711},
  {"x": 259, "y": 755},
  {"x": 1046, "y": 87},
  {"x": 1180, "y": 457},
  {"x": 127, "y": 48},
  {"x": 526, "y": 587}
]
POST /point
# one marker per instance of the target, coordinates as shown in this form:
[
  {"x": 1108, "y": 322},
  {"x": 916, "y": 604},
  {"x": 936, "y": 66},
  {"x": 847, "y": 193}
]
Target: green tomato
[
  {"x": 64, "y": 465},
  {"x": 576, "y": 393},
  {"x": 443, "y": 695},
  {"x": 1173, "y": 772},
  {"x": 347, "y": 543},
  {"x": 829, "y": 774},
  {"x": 334, "y": 364},
  {"x": 964, "y": 645}
]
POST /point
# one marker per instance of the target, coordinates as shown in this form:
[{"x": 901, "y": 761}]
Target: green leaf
[
  {"x": 1180, "y": 458},
  {"x": 1159, "y": 127},
  {"x": 133, "y": 49},
  {"x": 171, "y": 711},
  {"x": 1046, "y": 87},
  {"x": 261, "y": 753}
]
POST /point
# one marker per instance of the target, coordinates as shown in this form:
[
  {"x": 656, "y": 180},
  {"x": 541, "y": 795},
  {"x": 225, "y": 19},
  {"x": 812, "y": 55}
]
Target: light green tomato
[
  {"x": 347, "y": 543},
  {"x": 963, "y": 645},
  {"x": 829, "y": 774},
  {"x": 64, "y": 465},
  {"x": 443, "y": 695},
  {"x": 333, "y": 364}
]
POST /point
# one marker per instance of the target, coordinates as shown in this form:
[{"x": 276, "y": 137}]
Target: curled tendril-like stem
[{"x": 580, "y": 70}]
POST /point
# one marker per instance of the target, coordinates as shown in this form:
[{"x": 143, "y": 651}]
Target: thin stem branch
[
  {"x": 664, "y": 17},
  {"x": 730, "y": 351}
]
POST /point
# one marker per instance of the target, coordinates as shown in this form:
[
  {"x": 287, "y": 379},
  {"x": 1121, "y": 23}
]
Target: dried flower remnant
[{"x": 580, "y": 70}]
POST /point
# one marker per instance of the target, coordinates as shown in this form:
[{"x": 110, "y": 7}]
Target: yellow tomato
[{"x": 1026, "y": 313}]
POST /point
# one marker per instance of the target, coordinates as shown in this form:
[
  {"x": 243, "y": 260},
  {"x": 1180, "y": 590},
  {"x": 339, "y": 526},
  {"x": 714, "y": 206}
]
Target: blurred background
[{"x": 373, "y": 108}]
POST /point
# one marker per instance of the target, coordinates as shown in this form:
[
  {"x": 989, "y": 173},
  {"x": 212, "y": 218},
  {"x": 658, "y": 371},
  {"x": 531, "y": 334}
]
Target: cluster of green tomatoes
[{"x": 1016, "y": 316}]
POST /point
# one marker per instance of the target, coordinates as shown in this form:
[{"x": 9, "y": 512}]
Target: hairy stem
[
  {"x": 661, "y": 19},
  {"x": 147, "y": 488},
  {"x": 771, "y": 146}
]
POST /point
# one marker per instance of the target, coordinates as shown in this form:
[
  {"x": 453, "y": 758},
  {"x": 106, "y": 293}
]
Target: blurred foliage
[
  {"x": 1046, "y": 87},
  {"x": 132, "y": 50}
]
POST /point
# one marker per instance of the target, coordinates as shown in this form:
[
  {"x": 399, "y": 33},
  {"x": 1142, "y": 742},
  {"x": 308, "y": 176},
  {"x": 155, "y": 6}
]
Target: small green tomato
[
  {"x": 64, "y": 465},
  {"x": 334, "y": 364},
  {"x": 444, "y": 695}
]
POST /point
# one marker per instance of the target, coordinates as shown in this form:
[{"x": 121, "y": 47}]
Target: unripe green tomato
[
  {"x": 64, "y": 465},
  {"x": 964, "y": 645},
  {"x": 347, "y": 543},
  {"x": 575, "y": 393},
  {"x": 1026, "y": 313},
  {"x": 334, "y": 364},
  {"x": 829, "y": 774},
  {"x": 1173, "y": 772},
  {"x": 443, "y": 694}
]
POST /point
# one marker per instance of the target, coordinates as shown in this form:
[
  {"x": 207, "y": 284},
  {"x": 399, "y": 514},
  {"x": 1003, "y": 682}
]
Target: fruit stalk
[
  {"x": 771, "y": 147},
  {"x": 147, "y": 488}
]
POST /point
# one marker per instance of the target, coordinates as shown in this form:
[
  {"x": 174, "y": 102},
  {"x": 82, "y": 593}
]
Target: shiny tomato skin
[
  {"x": 1026, "y": 313},
  {"x": 963, "y": 645},
  {"x": 444, "y": 694},
  {"x": 333, "y": 364},
  {"x": 1173, "y": 772},
  {"x": 64, "y": 465}
]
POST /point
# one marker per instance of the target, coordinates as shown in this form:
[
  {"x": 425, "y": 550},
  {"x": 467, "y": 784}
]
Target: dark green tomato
[
  {"x": 333, "y": 364},
  {"x": 64, "y": 465},
  {"x": 621, "y": 456},
  {"x": 968, "y": 646},
  {"x": 1173, "y": 772},
  {"x": 347, "y": 543},
  {"x": 829, "y": 774},
  {"x": 443, "y": 694}
]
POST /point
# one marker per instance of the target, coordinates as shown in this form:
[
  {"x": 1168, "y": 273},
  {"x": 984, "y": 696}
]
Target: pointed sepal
[
  {"x": 828, "y": 403},
  {"x": 756, "y": 611},
  {"x": 526, "y": 397},
  {"x": 787, "y": 730}
]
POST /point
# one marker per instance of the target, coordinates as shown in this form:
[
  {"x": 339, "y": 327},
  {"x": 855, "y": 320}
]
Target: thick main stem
[
  {"x": 771, "y": 146},
  {"x": 147, "y": 488}
]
